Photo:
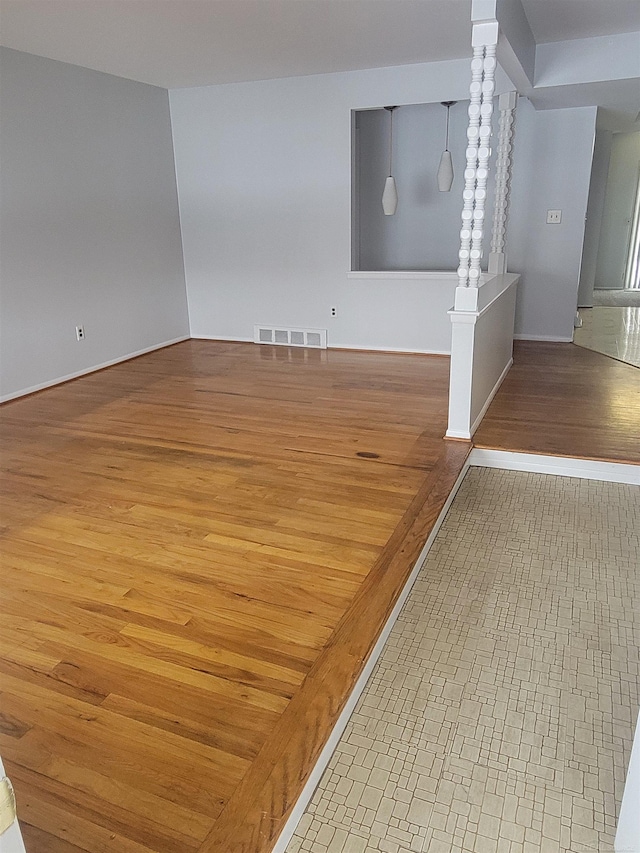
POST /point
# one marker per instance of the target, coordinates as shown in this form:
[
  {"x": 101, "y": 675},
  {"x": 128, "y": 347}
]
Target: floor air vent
[{"x": 316, "y": 338}]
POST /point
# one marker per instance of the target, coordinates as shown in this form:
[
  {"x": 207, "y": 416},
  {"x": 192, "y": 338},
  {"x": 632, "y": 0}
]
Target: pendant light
[
  {"x": 445, "y": 169},
  {"x": 390, "y": 194}
]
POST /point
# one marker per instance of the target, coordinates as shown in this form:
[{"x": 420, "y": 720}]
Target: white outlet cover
[{"x": 554, "y": 217}]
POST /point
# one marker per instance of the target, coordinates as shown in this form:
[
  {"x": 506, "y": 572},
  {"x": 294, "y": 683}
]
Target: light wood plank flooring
[{"x": 199, "y": 548}]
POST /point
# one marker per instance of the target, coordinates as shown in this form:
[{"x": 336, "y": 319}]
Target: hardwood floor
[
  {"x": 564, "y": 400},
  {"x": 199, "y": 548}
]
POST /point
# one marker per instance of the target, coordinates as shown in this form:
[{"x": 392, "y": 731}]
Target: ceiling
[
  {"x": 557, "y": 20},
  {"x": 179, "y": 43}
]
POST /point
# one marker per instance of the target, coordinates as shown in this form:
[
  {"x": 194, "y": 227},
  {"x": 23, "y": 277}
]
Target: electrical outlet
[
  {"x": 79, "y": 333},
  {"x": 334, "y": 311},
  {"x": 554, "y": 217}
]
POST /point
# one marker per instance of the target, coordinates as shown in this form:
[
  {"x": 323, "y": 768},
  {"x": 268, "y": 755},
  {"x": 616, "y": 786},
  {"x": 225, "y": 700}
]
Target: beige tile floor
[
  {"x": 500, "y": 714},
  {"x": 613, "y": 331}
]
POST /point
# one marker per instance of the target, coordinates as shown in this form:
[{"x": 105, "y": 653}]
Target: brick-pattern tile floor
[{"x": 500, "y": 716}]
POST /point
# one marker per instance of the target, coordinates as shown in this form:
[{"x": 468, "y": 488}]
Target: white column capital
[
  {"x": 508, "y": 100},
  {"x": 484, "y": 10},
  {"x": 484, "y": 33}
]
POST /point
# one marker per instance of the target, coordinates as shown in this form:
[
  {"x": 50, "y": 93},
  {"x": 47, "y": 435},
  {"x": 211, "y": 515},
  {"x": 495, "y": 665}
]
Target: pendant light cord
[
  {"x": 390, "y": 109},
  {"x": 446, "y": 143},
  {"x": 448, "y": 105}
]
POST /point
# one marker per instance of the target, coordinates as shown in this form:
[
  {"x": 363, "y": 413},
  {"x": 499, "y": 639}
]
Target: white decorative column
[
  {"x": 497, "y": 257},
  {"x": 482, "y": 318},
  {"x": 483, "y": 67}
]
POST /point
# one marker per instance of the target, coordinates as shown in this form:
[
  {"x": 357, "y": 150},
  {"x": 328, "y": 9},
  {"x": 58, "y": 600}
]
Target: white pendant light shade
[
  {"x": 445, "y": 169},
  {"x": 445, "y": 172},
  {"x": 390, "y": 197}
]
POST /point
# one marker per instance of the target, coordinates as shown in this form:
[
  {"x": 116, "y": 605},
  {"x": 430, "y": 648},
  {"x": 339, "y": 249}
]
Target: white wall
[
  {"x": 595, "y": 210},
  {"x": 264, "y": 182},
  {"x": 622, "y": 184},
  {"x": 552, "y": 168},
  {"x": 89, "y": 221}
]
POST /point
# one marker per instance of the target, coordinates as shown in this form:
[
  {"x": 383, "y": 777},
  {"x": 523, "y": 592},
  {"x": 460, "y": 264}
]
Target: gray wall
[
  {"x": 91, "y": 235},
  {"x": 90, "y": 231},
  {"x": 264, "y": 179},
  {"x": 424, "y": 232},
  {"x": 552, "y": 167}
]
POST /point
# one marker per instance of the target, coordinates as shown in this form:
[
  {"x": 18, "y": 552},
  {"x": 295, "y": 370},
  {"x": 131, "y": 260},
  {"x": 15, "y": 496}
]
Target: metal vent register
[{"x": 280, "y": 336}]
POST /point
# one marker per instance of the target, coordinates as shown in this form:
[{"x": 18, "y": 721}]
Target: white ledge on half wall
[
  {"x": 478, "y": 299},
  {"x": 415, "y": 275}
]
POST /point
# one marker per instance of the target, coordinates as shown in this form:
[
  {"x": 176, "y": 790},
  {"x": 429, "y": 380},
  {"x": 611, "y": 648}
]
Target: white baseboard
[
  {"x": 329, "y": 748},
  {"x": 41, "y": 386},
  {"x": 551, "y": 338},
  {"x": 561, "y": 466},
  {"x": 226, "y": 338},
  {"x": 406, "y": 350},
  {"x": 458, "y": 433}
]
